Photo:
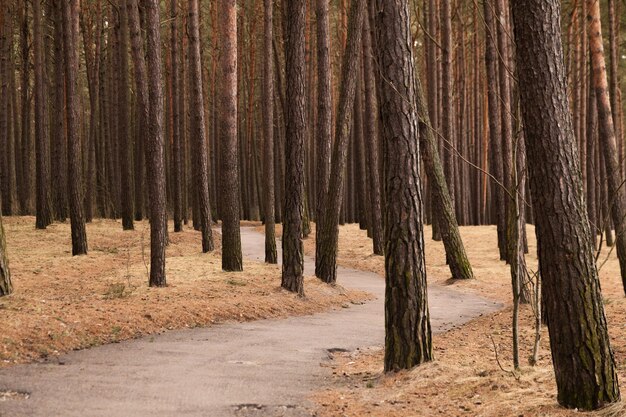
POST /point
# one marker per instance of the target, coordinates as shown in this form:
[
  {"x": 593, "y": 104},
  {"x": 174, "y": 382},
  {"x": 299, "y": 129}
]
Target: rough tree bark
[
  {"x": 7, "y": 124},
  {"x": 442, "y": 202},
  {"x": 123, "y": 128},
  {"x": 231, "y": 235},
  {"x": 614, "y": 80},
  {"x": 43, "y": 199},
  {"x": 74, "y": 154},
  {"x": 25, "y": 191},
  {"x": 506, "y": 138},
  {"x": 581, "y": 351},
  {"x": 295, "y": 122},
  {"x": 268, "y": 134},
  {"x": 177, "y": 145},
  {"x": 448, "y": 106},
  {"x": 324, "y": 113},
  {"x": 141, "y": 98},
  {"x": 59, "y": 143},
  {"x": 155, "y": 146},
  {"x": 198, "y": 130},
  {"x": 408, "y": 339},
  {"x": 491, "y": 62},
  {"x": 326, "y": 258},
  {"x": 371, "y": 140},
  {"x": 432, "y": 80}
]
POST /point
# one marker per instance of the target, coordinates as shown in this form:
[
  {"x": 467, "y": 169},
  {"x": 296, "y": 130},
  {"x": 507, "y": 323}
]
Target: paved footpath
[{"x": 261, "y": 368}]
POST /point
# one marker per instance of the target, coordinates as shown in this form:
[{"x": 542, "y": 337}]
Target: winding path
[{"x": 261, "y": 368}]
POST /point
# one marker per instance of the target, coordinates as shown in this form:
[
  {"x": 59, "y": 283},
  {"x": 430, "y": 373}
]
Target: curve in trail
[{"x": 261, "y": 368}]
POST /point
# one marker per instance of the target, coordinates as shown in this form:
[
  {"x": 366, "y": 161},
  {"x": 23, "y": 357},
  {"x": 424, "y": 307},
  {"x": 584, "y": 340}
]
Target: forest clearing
[{"x": 312, "y": 208}]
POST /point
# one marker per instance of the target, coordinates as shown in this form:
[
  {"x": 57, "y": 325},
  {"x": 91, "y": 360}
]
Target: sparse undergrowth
[
  {"x": 465, "y": 379},
  {"x": 63, "y": 303}
]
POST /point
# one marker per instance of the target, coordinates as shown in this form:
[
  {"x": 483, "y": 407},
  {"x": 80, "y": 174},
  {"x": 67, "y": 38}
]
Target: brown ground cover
[
  {"x": 465, "y": 379},
  {"x": 63, "y": 303}
]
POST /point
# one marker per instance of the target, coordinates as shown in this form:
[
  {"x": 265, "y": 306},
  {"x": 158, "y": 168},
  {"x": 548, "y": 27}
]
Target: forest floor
[
  {"x": 259, "y": 368},
  {"x": 465, "y": 379},
  {"x": 63, "y": 303}
]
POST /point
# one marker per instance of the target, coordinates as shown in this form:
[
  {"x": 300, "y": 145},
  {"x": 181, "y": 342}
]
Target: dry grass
[
  {"x": 63, "y": 303},
  {"x": 465, "y": 379}
]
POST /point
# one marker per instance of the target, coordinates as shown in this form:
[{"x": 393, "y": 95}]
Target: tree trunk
[
  {"x": 74, "y": 155},
  {"x": 491, "y": 62},
  {"x": 6, "y": 287},
  {"x": 198, "y": 128},
  {"x": 324, "y": 114},
  {"x": 581, "y": 352},
  {"x": 360, "y": 170},
  {"x": 155, "y": 146},
  {"x": 433, "y": 77},
  {"x": 503, "y": 33},
  {"x": 231, "y": 235},
  {"x": 617, "y": 192},
  {"x": 407, "y": 322},
  {"x": 92, "y": 47},
  {"x": 442, "y": 203},
  {"x": 177, "y": 161},
  {"x": 295, "y": 121},
  {"x": 25, "y": 192},
  {"x": 326, "y": 259},
  {"x": 44, "y": 202},
  {"x": 141, "y": 99},
  {"x": 614, "y": 81},
  {"x": 448, "y": 107},
  {"x": 124, "y": 137},
  {"x": 268, "y": 134},
  {"x": 59, "y": 117},
  {"x": 7, "y": 167},
  {"x": 371, "y": 140},
  {"x": 592, "y": 168}
]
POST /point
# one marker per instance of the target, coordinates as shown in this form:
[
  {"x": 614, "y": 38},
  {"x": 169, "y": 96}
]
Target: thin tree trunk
[
  {"x": 6, "y": 287},
  {"x": 44, "y": 202},
  {"x": 268, "y": 134},
  {"x": 503, "y": 32},
  {"x": 448, "y": 108},
  {"x": 198, "y": 129},
  {"x": 326, "y": 259},
  {"x": 124, "y": 137},
  {"x": 177, "y": 174},
  {"x": 74, "y": 155},
  {"x": 442, "y": 203},
  {"x": 295, "y": 121},
  {"x": 614, "y": 81},
  {"x": 495, "y": 119},
  {"x": 231, "y": 235},
  {"x": 25, "y": 192},
  {"x": 371, "y": 140},
  {"x": 141, "y": 102},
  {"x": 617, "y": 192},
  {"x": 155, "y": 146},
  {"x": 324, "y": 114}
]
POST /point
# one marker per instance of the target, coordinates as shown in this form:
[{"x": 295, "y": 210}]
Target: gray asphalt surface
[{"x": 262, "y": 368}]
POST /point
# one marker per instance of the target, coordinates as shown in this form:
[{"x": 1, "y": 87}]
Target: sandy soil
[
  {"x": 465, "y": 379},
  {"x": 63, "y": 303}
]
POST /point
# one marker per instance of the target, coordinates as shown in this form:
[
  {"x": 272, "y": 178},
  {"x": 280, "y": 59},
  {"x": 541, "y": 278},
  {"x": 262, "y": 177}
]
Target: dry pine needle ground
[
  {"x": 465, "y": 379},
  {"x": 63, "y": 303}
]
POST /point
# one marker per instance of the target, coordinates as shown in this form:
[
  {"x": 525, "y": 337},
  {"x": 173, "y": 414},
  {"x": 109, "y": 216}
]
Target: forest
[{"x": 312, "y": 208}]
